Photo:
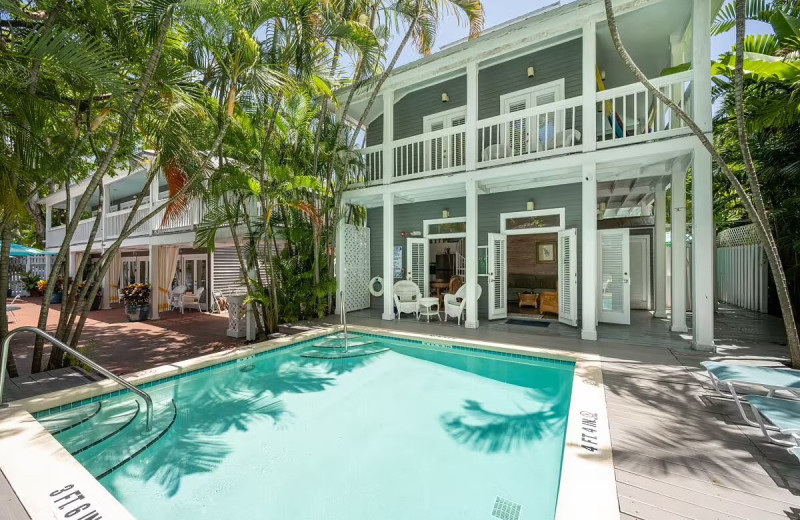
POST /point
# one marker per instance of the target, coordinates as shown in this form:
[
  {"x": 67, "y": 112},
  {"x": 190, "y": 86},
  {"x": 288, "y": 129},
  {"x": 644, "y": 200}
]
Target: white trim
[
  {"x": 451, "y": 220},
  {"x": 448, "y": 115},
  {"x": 561, "y": 212},
  {"x": 558, "y": 85}
]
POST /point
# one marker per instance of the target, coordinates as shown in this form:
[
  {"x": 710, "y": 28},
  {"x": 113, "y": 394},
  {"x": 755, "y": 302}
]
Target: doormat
[{"x": 530, "y": 323}]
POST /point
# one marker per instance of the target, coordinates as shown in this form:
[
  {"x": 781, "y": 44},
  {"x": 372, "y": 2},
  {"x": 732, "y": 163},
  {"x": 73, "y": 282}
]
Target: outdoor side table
[{"x": 426, "y": 308}]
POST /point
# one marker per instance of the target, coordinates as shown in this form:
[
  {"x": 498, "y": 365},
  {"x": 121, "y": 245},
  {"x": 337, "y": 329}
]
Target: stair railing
[{"x": 71, "y": 351}]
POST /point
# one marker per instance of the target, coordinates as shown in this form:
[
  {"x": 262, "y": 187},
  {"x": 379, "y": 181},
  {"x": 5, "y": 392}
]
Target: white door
[
  {"x": 498, "y": 277},
  {"x": 640, "y": 272},
  {"x": 614, "y": 276},
  {"x": 568, "y": 277},
  {"x": 192, "y": 271},
  {"x": 446, "y": 152},
  {"x": 417, "y": 268}
]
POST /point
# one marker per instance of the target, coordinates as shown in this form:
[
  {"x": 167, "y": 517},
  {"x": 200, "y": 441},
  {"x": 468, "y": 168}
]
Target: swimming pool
[{"x": 422, "y": 430}]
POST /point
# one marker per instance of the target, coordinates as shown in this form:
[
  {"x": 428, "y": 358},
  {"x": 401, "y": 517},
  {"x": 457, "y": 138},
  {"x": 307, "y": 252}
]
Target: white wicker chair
[
  {"x": 176, "y": 297},
  {"x": 454, "y": 308},
  {"x": 194, "y": 300},
  {"x": 406, "y": 298}
]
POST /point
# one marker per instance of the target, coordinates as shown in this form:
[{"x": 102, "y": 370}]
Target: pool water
[{"x": 419, "y": 431}]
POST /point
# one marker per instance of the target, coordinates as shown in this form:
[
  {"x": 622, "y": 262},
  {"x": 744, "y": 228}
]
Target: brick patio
[{"x": 123, "y": 346}]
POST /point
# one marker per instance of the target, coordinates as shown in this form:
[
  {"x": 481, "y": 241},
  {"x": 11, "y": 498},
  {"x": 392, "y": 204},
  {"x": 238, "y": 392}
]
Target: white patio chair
[
  {"x": 406, "y": 297},
  {"x": 176, "y": 297},
  {"x": 216, "y": 305},
  {"x": 10, "y": 308},
  {"x": 193, "y": 300},
  {"x": 455, "y": 308}
]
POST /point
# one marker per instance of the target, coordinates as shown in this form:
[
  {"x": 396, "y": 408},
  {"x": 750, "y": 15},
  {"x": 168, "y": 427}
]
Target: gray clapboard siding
[
  {"x": 227, "y": 273},
  {"x": 409, "y": 217},
  {"x": 560, "y": 61}
]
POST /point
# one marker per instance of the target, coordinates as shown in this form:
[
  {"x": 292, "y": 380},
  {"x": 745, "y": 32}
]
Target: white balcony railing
[
  {"x": 631, "y": 112},
  {"x": 55, "y": 236},
  {"x": 553, "y": 128},
  {"x": 84, "y": 229},
  {"x": 624, "y": 115},
  {"x": 115, "y": 221},
  {"x": 442, "y": 151}
]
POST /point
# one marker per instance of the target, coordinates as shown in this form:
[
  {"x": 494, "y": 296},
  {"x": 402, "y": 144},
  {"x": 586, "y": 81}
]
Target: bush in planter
[
  {"x": 31, "y": 282},
  {"x": 58, "y": 290},
  {"x": 136, "y": 299},
  {"x": 98, "y": 298}
]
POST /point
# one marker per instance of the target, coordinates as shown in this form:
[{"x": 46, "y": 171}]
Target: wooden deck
[{"x": 679, "y": 450}]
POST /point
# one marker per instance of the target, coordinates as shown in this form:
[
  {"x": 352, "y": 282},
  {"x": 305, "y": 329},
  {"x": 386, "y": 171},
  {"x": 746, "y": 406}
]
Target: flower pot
[
  {"x": 35, "y": 292},
  {"x": 56, "y": 298},
  {"x": 137, "y": 312}
]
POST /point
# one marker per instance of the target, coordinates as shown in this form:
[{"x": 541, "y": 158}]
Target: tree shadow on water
[{"x": 481, "y": 429}]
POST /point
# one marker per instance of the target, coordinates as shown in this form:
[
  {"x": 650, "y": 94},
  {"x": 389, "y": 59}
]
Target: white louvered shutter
[
  {"x": 614, "y": 257},
  {"x": 417, "y": 264},
  {"x": 568, "y": 277},
  {"x": 518, "y": 128},
  {"x": 498, "y": 277},
  {"x": 438, "y": 153},
  {"x": 458, "y": 143}
]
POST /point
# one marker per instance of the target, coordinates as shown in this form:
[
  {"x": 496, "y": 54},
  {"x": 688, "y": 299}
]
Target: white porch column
[
  {"x": 471, "y": 254},
  {"x": 48, "y": 223},
  {"x": 701, "y": 50},
  {"x": 154, "y": 252},
  {"x": 589, "y": 67},
  {"x": 388, "y": 255},
  {"x": 589, "y": 253},
  {"x": 702, "y": 251},
  {"x": 678, "y": 251},
  {"x": 388, "y": 137},
  {"x": 471, "y": 129},
  {"x": 660, "y": 251}
]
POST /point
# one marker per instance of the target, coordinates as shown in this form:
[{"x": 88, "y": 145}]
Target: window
[
  {"x": 445, "y": 227},
  {"x": 530, "y": 222}
]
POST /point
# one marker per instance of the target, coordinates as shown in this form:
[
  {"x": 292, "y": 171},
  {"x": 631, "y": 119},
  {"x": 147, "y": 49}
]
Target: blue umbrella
[{"x": 20, "y": 250}]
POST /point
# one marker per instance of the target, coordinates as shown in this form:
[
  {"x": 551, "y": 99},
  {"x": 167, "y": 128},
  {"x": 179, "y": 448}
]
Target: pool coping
[{"x": 36, "y": 465}]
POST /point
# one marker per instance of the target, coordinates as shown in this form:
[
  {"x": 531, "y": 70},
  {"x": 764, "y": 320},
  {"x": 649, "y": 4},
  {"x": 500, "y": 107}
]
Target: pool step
[
  {"x": 112, "y": 419},
  {"x": 63, "y": 421},
  {"x": 113, "y": 453}
]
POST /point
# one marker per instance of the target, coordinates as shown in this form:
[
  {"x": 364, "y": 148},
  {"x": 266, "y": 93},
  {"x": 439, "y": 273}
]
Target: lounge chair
[
  {"x": 783, "y": 414},
  {"x": 770, "y": 379},
  {"x": 406, "y": 298},
  {"x": 456, "y": 304},
  {"x": 10, "y": 308}
]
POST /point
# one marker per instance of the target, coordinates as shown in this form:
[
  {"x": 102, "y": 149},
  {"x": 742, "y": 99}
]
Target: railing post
[
  {"x": 471, "y": 137},
  {"x": 388, "y": 136},
  {"x": 701, "y": 50},
  {"x": 589, "y": 109},
  {"x": 48, "y": 221}
]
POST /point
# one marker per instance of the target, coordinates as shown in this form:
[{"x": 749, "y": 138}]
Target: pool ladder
[
  {"x": 343, "y": 319},
  {"x": 71, "y": 351}
]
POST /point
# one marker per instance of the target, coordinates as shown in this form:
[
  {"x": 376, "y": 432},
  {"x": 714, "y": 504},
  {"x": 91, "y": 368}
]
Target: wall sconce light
[
  {"x": 403, "y": 234},
  {"x": 603, "y": 75},
  {"x": 445, "y": 97},
  {"x": 530, "y": 72},
  {"x": 445, "y": 213},
  {"x": 530, "y": 205}
]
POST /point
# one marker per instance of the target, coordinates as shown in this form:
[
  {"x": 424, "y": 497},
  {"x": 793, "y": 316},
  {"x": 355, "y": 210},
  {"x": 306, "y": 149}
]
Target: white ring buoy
[{"x": 372, "y": 290}]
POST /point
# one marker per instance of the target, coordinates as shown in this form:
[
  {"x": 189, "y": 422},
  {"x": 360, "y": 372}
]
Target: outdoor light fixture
[
  {"x": 530, "y": 205},
  {"x": 445, "y": 97},
  {"x": 445, "y": 213},
  {"x": 603, "y": 75},
  {"x": 530, "y": 72}
]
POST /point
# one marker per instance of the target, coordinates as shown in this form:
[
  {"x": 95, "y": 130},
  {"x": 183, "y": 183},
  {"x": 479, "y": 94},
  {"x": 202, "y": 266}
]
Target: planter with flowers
[
  {"x": 136, "y": 299},
  {"x": 98, "y": 298},
  {"x": 58, "y": 290}
]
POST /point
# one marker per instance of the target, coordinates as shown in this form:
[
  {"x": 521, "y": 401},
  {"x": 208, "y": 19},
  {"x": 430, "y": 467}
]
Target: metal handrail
[
  {"x": 344, "y": 321},
  {"x": 7, "y": 344}
]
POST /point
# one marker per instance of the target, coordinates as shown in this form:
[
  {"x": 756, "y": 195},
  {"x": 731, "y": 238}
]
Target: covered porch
[{"x": 588, "y": 209}]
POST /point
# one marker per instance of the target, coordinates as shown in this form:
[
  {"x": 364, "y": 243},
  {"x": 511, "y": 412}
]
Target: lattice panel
[
  {"x": 354, "y": 252},
  {"x": 738, "y": 236}
]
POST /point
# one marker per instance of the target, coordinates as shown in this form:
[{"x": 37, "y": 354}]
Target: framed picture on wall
[
  {"x": 546, "y": 253},
  {"x": 483, "y": 260}
]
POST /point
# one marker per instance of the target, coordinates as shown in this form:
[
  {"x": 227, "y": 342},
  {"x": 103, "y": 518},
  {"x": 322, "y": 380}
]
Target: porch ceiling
[{"x": 627, "y": 197}]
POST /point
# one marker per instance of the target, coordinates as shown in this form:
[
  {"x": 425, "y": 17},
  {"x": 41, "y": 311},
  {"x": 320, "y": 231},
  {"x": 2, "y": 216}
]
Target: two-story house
[{"x": 530, "y": 161}]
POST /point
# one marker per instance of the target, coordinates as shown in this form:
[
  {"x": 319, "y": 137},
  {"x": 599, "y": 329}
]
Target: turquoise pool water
[{"x": 417, "y": 432}]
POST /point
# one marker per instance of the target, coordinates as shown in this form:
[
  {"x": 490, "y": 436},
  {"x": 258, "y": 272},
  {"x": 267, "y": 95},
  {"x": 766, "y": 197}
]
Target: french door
[
  {"x": 614, "y": 289},
  {"x": 135, "y": 270},
  {"x": 568, "y": 277},
  {"x": 417, "y": 267},
  {"x": 498, "y": 276},
  {"x": 192, "y": 271},
  {"x": 446, "y": 151}
]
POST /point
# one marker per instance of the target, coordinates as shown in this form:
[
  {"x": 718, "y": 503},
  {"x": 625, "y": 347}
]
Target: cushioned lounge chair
[
  {"x": 783, "y": 415},
  {"x": 771, "y": 380}
]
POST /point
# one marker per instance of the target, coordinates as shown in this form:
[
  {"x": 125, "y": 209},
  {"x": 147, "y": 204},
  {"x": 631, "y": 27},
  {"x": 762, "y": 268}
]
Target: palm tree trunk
[
  {"x": 102, "y": 170},
  {"x": 5, "y": 260},
  {"x": 759, "y": 218}
]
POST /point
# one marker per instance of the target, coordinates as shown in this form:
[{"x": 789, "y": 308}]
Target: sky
[{"x": 500, "y": 11}]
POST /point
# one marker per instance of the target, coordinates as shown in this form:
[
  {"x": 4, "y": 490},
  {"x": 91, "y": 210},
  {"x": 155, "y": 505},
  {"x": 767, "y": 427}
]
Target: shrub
[{"x": 135, "y": 294}]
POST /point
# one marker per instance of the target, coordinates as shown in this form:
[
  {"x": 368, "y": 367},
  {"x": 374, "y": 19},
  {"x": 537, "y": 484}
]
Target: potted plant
[
  {"x": 58, "y": 291},
  {"x": 31, "y": 280},
  {"x": 98, "y": 298},
  {"x": 136, "y": 299}
]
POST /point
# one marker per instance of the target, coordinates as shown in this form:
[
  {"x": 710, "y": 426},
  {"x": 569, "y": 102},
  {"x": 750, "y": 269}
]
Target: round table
[
  {"x": 426, "y": 306},
  {"x": 439, "y": 287}
]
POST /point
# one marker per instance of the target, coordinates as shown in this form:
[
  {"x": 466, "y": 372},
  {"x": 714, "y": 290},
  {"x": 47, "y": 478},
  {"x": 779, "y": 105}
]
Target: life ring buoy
[{"x": 372, "y": 290}]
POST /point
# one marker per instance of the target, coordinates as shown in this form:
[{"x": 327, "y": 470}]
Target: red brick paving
[{"x": 123, "y": 346}]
